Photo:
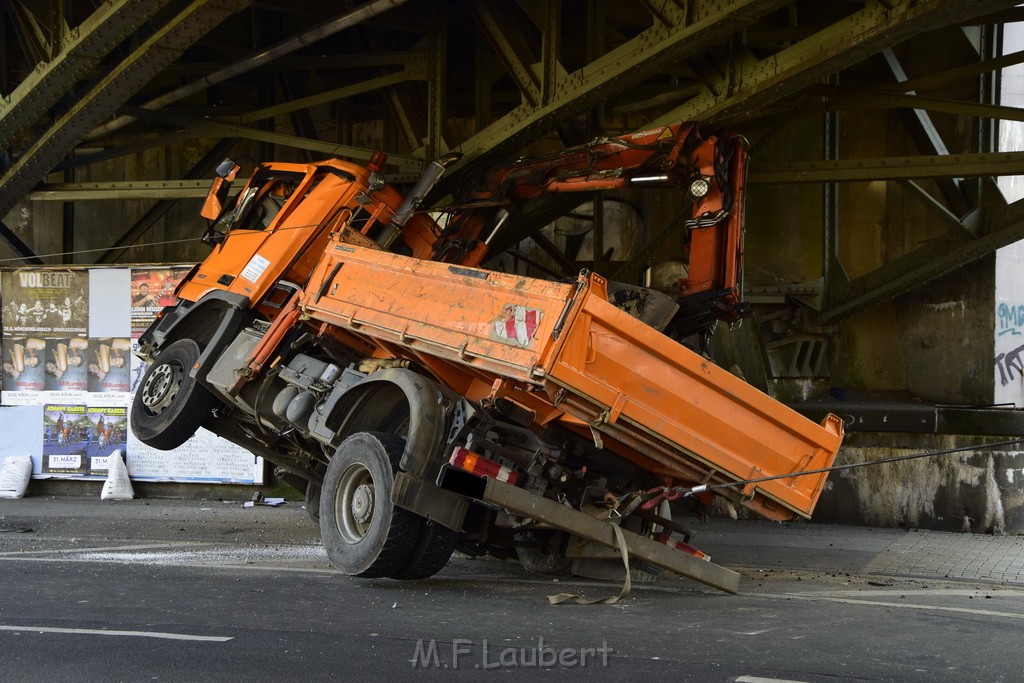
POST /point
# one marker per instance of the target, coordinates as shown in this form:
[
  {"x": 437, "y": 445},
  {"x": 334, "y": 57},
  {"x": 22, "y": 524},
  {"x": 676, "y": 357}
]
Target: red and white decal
[{"x": 517, "y": 325}]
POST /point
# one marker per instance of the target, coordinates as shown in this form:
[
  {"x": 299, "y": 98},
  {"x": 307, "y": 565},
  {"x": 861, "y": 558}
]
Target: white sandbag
[
  {"x": 14, "y": 476},
  {"x": 117, "y": 486}
]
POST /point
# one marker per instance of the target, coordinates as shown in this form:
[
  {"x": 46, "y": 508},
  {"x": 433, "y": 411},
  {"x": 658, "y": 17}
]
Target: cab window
[{"x": 256, "y": 207}]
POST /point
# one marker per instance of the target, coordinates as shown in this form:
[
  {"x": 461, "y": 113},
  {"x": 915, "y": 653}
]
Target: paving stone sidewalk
[{"x": 937, "y": 554}]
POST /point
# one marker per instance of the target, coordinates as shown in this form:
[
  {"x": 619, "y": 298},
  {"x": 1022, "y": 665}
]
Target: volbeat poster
[{"x": 45, "y": 302}]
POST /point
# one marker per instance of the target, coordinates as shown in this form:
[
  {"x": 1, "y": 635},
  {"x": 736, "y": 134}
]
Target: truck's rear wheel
[
  {"x": 434, "y": 548},
  {"x": 363, "y": 533},
  {"x": 169, "y": 406},
  {"x": 312, "y": 502}
]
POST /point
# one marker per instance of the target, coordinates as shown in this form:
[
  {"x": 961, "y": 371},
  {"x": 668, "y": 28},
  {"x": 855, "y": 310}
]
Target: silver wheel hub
[
  {"x": 362, "y": 503},
  {"x": 161, "y": 387},
  {"x": 354, "y": 503}
]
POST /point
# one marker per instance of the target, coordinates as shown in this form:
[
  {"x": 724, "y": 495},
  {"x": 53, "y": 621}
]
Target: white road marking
[
  {"x": 899, "y": 605},
  {"x": 88, "y": 549},
  {"x": 760, "y": 679},
  {"x": 103, "y": 632}
]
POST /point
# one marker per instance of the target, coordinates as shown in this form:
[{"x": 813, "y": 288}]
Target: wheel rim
[
  {"x": 355, "y": 503},
  {"x": 162, "y": 386}
]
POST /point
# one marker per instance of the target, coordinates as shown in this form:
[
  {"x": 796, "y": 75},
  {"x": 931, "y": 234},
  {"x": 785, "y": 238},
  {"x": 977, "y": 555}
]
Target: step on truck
[{"x": 425, "y": 404}]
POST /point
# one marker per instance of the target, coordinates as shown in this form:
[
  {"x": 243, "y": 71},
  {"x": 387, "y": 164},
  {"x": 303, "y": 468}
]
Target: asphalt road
[{"x": 206, "y": 590}]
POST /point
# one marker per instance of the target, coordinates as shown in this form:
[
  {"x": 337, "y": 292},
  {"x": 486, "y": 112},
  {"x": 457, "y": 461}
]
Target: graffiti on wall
[
  {"x": 1010, "y": 320},
  {"x": 1010, "y": 363}
]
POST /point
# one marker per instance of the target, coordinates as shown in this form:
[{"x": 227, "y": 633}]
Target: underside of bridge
[{"x": 881, "y": 223}]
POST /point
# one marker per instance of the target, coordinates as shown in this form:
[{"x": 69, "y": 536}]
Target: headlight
[
  {"x": 377, "y": 182},
  {"x": 699, "y": 188}
]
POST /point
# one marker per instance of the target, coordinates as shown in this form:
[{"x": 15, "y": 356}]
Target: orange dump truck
[{"x": 425, "y": 404}]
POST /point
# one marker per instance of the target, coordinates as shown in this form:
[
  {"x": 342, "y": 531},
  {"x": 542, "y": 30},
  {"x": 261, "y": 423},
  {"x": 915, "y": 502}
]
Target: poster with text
[
  {"x": 67, "y": 366},
  {"x": 109, "y": 365},
  {"x": 152, "y": 290},
  {"x": 106, "y": 432},
  {"x": 64, "y": 432},
  {"x": 45, "y": 303},
  {"x": 24, "y": 369}
]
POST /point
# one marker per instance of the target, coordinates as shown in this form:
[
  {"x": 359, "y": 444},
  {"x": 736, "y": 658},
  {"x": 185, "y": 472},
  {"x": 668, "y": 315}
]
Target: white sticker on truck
[{"x": 255, "y": 268}]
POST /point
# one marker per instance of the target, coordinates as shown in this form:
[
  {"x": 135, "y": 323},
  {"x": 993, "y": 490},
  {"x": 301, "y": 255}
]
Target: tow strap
[{"x": 652, "y": 498}]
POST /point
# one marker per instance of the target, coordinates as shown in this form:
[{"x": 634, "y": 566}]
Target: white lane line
[
  {"x": 761, "y": 679},
  {"x": 183, "y": 565},
  {"x": 900, "y": 605},
  {"x": 102, "y": 632},
  {"x": 90, "y": 549}
]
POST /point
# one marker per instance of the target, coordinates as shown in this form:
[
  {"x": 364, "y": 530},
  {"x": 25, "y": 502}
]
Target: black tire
[
  {"x": 363, "y": 533},
  {"x": 433, "y": 549},
  {"x": 169, "y": 406},
  {"x": 313, "y": 502}
]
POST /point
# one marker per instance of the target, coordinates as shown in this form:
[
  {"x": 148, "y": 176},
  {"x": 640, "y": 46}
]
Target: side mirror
[
  {"x": 219, "y": 189},
  {"x": 227, "y": 169}
]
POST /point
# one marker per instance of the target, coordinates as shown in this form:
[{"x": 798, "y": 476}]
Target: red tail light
[{"x": 468, "y": 461}]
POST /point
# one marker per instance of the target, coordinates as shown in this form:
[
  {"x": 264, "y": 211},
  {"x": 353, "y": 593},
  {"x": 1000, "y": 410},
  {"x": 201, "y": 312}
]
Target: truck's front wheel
[
  {"x": 363, "y": 533},
  {"x": 169, "y": 405}
]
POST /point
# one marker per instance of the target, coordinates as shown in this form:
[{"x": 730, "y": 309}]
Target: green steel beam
[
  {"x": 33, "y": 40},
  {"x": 178, "y": 72},
  {"x": 417, "y": 72},
  {"x": 701, "y": 25},
  {"x": 880, "y": 24},
  {"x": 88, "y": 158},
  {"x": 510, "y": 46},
  {"x": 923, "y": 132},
  {"x": 923, "y": 265},
  {"x": 87, "y": 44},
  {"x": 437, "y": 86},
  {"x": 951, "y": 76},
  {"x": 550, "y": 45},
  {"x": 135, "y": 189},
  {"x": 891, "y": 168},
  {"x": 940, "y": 211},
  {"x": 198, "y": 128},
  {"x": 159, "y": 50},
  {"x": 859, "y": 98},
  {"x": 20, "y": 248},
  {"x": 406, "y": 111}
]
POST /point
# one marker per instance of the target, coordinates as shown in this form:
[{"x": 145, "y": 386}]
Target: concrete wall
[
  {"x": 1008, "y": 354},
  {"x": 980, "y": 490}
]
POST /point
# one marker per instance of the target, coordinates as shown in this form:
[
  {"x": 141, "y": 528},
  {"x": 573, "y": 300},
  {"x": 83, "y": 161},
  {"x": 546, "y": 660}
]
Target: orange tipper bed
[{"x": 564, "y": 352}]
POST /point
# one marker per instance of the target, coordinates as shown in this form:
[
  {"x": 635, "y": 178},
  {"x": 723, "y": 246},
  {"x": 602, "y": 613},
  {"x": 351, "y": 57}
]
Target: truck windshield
[{"x": 259, "y": 203}]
